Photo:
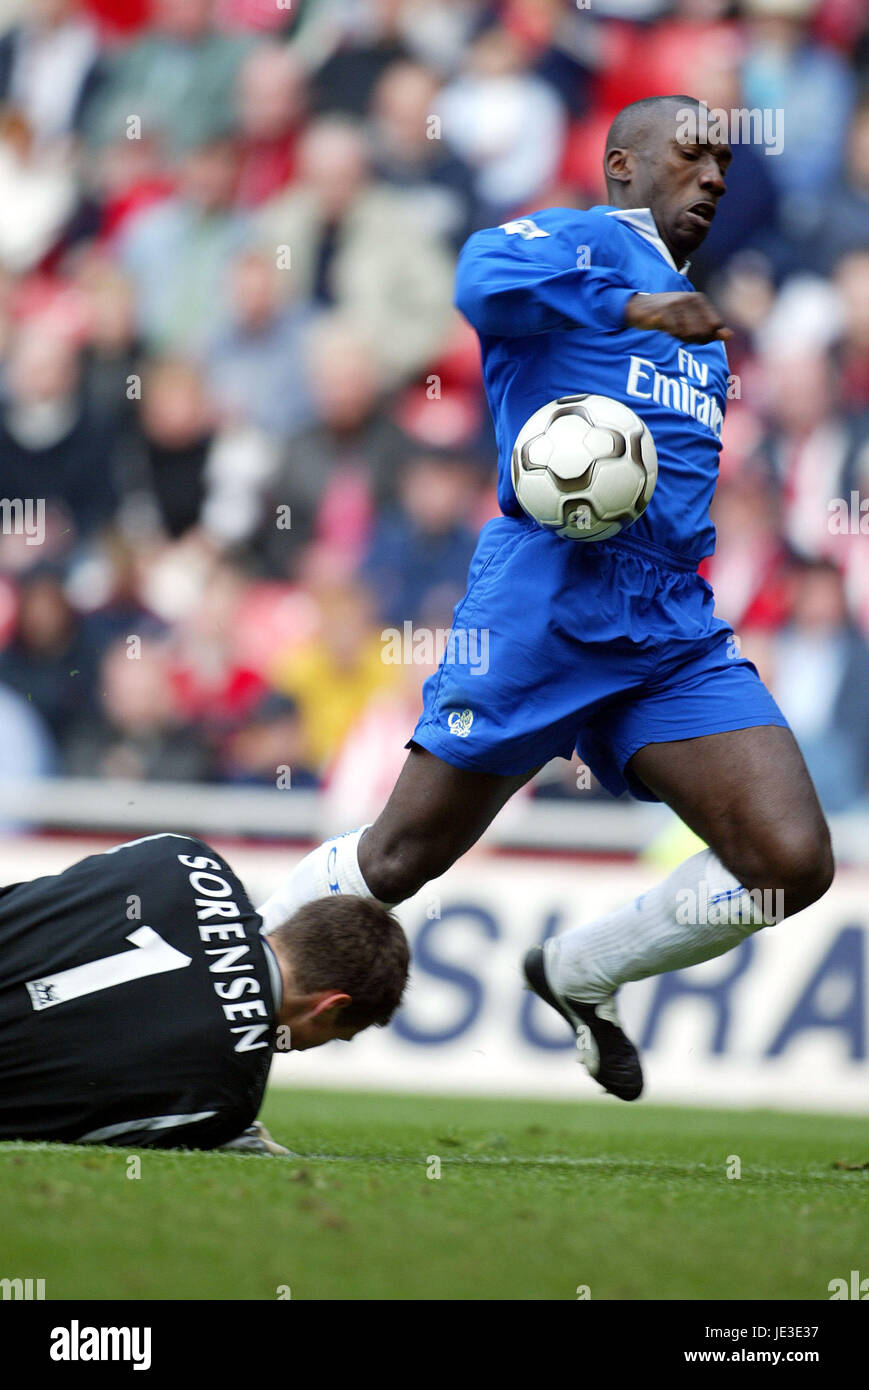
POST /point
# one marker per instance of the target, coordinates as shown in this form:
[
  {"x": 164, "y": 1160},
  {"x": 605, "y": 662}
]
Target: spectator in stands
[
  {"x": 305, "y": 22},
  {"x": 805, "y": 448},
  {"x": 746, "y": 294},
  {"x": 262, "y": 16},
  {"x": 124, "y": 178},
  {"x": 369, "y": 758},
  {"x": 344, "y": 465},
  {"x": 844, "y": 221},
  {"x": 110, "y": 351},
  {"x": 561, "y": 44},
  {"x": 749, "y": 568},
  {"x": 255, "y": 366},
  {"x": 367, "y": 40},
  {"x": 268, "y": 749},
  {"x": 851, "y": 549},
  {"x": 38, "y": 196},
  {"x": 211, "y": 686},
  {"x": 164, "y": 474},
  {"x": 746, "y": 218},
  {"x": 505, "y": 121},
  {"x": 180, "y": 75},
  {"x": 332, "y": 677},
  {"x": 821, "y": 680},
  {"x": 841, "y": 24},
  {"x": 49, "y": 660},
  {"x": 178, "y": 252},
  {"x": 270, "y": 100},
  {"x": 410, "y": 152},
  {"x": 49, "y": 67},
  {"x": 52, "y": 448},
  {"x": 137, "y": 731},
  {"x": 359, "y": 246},
  {"x": 438, "y": 32},
  {"x": 107, "y": 590},
  {"x": 26, "y": 749},
  {"x": 785, "y": 70},
  {"x": 851, "y": 279},
  {"x": 421, "y": 549},
  {"x": 186, "y": 474}
]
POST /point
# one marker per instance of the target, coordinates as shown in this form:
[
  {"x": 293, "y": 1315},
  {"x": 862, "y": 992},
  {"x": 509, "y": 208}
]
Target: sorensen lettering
[{"x": 211, "y": 892}]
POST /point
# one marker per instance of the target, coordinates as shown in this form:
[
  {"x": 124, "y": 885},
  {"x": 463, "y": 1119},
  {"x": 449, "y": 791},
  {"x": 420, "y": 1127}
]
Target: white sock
[
  {"x": 700, "y": 911},
  {"x": 332, "y": 867}
]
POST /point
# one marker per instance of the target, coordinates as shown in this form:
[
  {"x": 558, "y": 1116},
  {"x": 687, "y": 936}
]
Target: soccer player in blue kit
[{"x": 611, "y": 647}]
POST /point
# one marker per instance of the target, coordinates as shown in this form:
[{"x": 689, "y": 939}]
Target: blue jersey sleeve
[{"x": 521, "y": 279}]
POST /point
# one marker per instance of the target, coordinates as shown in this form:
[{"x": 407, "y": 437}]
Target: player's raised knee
[
  {"x": 396, "y": 870},
  {"x": 822, "y": 868},
  {"x": 795, "y": 863},
  {"x": 806, "y": 863}
]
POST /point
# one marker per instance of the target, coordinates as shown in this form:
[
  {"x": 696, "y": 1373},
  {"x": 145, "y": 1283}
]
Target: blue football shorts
[{"x": 603, "y": 648}]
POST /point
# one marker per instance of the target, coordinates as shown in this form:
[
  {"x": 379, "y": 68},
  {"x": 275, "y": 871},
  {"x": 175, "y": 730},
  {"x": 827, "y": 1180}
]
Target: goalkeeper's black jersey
[{"x": 137, "y": 1000}]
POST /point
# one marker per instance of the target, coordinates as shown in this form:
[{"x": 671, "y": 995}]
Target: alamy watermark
[
  {"x": 761, "y": 907},
  {"x": 713, "y": 125},
  {"x": 77, "y": 1343},
  {"x": 22, "y": 1288},
  {"x": 855, "y": 1287},
  {"x": 422, "y": 646},
  {"x": 23, "y": 516},
  {"x": 849, "y": 516}
]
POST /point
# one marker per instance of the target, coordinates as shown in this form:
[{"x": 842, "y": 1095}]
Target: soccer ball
[{"x": 584, "y": 467}]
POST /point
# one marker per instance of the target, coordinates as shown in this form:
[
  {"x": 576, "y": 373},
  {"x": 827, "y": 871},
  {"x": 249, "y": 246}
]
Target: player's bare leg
[
  {"x": 748, "y": 795},
  {"x": 435, "y": 813}
]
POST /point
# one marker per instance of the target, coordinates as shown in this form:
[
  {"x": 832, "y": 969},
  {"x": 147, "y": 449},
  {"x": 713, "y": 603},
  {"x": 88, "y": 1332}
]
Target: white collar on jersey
[{"x": 643, "y": 222}]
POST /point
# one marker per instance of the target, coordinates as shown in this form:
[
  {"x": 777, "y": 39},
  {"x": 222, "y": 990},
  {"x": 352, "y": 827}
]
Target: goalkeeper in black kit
[{"x": 140, "y": 1002}]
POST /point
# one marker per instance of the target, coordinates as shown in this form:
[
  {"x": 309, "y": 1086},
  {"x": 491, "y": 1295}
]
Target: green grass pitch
[{"x": 534, "y": 1199}]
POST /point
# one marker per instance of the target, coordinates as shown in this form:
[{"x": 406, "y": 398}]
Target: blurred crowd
[{"x": 231, "y": 374}]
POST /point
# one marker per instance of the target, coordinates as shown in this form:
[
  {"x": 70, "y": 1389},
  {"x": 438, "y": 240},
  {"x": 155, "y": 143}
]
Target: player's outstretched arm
[
  {"x": 688, "y": 316},
  {"x": 511, "y": 284}
]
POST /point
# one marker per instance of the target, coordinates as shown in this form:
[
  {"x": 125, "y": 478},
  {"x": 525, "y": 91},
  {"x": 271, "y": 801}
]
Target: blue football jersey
[{"x": 546, "y": 295}]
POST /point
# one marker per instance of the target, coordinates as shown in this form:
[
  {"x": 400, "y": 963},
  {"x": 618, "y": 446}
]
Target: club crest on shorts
[{"x": 460, "y": 722}]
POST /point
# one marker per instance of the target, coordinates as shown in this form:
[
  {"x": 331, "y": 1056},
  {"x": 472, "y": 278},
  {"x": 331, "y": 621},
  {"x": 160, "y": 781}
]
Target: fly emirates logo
[{"x": 684, "y": 392}]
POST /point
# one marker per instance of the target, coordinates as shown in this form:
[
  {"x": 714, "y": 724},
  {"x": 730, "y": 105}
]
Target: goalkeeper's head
[{"x": 343, "y": 963}]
